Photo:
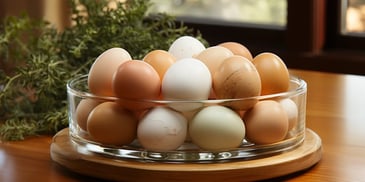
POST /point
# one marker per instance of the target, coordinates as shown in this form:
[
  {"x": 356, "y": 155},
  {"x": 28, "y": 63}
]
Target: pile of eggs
[{"x": 187, "y": 72}]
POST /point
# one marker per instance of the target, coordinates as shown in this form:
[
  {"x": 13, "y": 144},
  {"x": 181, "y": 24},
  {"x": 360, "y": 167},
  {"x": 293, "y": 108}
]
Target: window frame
[{"x": 312, "y": 38}]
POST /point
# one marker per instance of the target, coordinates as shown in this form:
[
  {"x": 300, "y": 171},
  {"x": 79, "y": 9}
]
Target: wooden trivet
[{"x": 67, "y": 154}]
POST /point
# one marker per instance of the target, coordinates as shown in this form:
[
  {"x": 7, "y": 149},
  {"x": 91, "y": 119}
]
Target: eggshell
[
  {"x": 291, "y": 110},
  {"x": 213, "y": 57},
  {"x": 237, "y": 49},
  {"x": 187, "y": 79},
  {"x": 266, "y": 123},
  {"x": 136, "y": 80},
  {"x": 273, "y": 73},
  {"x": 237, "y": 78},
  {"x": 186, "y": 47},
  {"x": 216, "y": 128},
  {"x": 102, "y": 70},
  {"x": 162, "y": 129},
  {"x": 83, "y": 110},
  {"x": 160, "y": 60},
  {"x": 110, "y": 124}
]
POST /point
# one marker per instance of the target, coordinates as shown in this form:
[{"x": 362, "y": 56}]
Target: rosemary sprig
[{"x": 33, "y": 99}]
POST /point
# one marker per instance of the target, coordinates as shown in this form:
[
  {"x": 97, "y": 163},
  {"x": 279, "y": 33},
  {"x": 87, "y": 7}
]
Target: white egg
[
  {"x": 187, "y": 79},
  {"x": 186, "y": 47},
  {"x": 162, "y": 129}
]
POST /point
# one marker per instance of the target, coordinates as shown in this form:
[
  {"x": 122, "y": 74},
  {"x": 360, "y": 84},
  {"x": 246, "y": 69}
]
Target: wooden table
[{"x": 335, "y": 111}]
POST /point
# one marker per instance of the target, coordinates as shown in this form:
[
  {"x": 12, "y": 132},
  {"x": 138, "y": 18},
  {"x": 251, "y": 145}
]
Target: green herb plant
[{"x": 33, "y": 98}]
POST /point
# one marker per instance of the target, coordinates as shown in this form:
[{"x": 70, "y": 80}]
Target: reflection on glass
[
  {"x": 353, "y": 20},
  {"x": 266, "y": 12}
]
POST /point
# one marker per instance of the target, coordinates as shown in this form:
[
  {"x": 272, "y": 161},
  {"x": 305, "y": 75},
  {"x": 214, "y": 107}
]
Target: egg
[
  {"x": 110, "y": 124},
  {"x": 273, "y": 73},
  {"x": 102, "y": 70},
  {"x": 136, "y": 80},
  {"x": 236, "y": 78},
  {"x": 187, "y": 79},
  {"x": 160, "y": 60},
  {"x": 186, "y": 47},
  {"x": 83, "y": 110},
  {"x": 237, "y": 49},
  {"x": 266, "y": 123},
  {"x": 162, "y": 129},
  {"x": 213, "y": 57},
  {"x": 291, "y": 110},
  {"x": 217, "y": 128}
]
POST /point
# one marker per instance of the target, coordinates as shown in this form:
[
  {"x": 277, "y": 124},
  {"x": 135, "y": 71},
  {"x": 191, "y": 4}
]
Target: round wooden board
[{"x": 69, "y": 155}]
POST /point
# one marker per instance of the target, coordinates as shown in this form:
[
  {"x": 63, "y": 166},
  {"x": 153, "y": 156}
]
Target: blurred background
[
  {"x": 310, "y": 34},
  {"x": 267, "y": 12}
]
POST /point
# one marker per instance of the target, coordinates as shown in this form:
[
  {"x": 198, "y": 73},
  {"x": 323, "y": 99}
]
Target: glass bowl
[{"x": 188, "y": 151}]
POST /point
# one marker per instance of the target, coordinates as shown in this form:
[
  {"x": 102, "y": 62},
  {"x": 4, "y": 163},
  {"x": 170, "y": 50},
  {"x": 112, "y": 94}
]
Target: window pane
[
  {"x": 266, "y": 12},
  {"x": 353, "y": 20}
]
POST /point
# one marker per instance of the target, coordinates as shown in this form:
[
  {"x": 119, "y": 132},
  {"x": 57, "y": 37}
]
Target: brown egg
[
  {"x": 102, "y": 70},
  {"x": 160, "y": 60},
  {"x": 237, "y": 49},
  {"x": 83, "y": 110},
  {"x": 266, "y": 122},
  {"x": 273, "y": 73},
  {"x": 136, "y": 80},
  {"x": 237, "y": 78},
  {"x": 112, "y": 125}
]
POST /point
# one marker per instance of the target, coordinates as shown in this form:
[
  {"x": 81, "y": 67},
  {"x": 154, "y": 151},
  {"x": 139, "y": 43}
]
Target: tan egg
[
  {"x": 266, "y": 123},
  {"x": 112, "y": 125},
  {"x": 160, "y": 60},
  {"x": 273, "y": 73},
  {"x": 237, "y": 78},
  {"x": 83, "y": 110},
  {"x": 237, "y": 49},
  {"x": 102, "y": 70},
  {"x": 213, "y": 57}
]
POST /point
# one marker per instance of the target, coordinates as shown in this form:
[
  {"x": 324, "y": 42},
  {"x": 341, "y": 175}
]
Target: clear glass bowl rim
[{"x": 299, "y": 89}]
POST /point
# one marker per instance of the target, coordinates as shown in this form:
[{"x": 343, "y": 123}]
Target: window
[
  {"x": 325, "y": 35},
  {"x": 316, "y": 34},
  {"x": 353, "y": 17},
  {"x": 264, "y": 12}
]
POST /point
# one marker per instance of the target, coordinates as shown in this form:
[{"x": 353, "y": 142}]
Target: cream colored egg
[
  {"x": 292, "y": 111},
  {"x": 213, "y": 57},
  {"x": 217, "y": 128},
  {"x": 102, "y": 70}
]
